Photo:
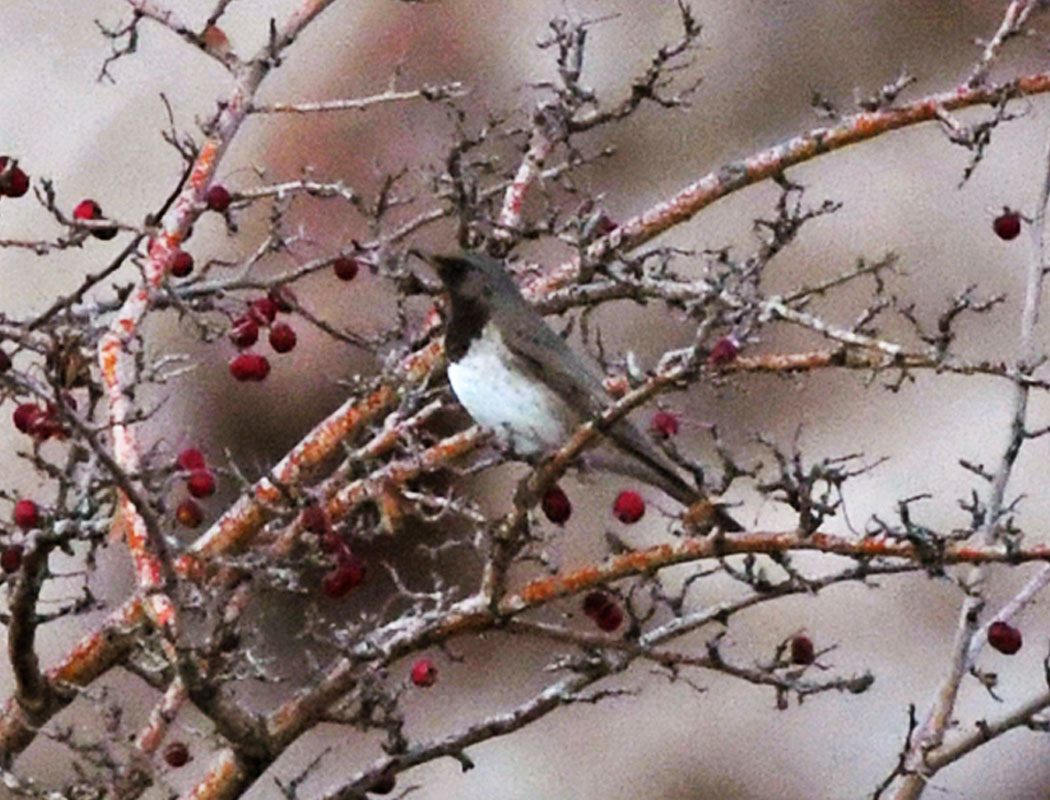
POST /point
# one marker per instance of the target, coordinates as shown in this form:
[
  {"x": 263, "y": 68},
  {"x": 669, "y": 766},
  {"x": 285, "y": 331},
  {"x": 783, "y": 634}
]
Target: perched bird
[{"x": 515, "y": 375}]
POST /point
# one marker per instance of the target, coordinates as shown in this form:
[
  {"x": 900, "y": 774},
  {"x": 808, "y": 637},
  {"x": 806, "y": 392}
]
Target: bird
[{"x": 514, "y": 375}]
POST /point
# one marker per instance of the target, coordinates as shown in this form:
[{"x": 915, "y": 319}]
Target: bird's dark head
[{"x": 473, "y": 275}]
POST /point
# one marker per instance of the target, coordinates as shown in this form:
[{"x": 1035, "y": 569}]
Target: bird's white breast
[{"x": 522, "y": 411}]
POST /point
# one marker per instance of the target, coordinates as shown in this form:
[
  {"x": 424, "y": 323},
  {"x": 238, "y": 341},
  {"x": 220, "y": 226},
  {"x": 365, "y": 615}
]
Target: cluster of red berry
[
  {"x": 244, "y": 332},
  {"x": 200, "y": 483},
  {"x": 349, "y": 570}
]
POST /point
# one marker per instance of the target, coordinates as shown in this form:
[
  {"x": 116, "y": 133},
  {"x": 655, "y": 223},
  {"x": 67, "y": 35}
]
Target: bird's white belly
[{"x": 523, "y": 413}]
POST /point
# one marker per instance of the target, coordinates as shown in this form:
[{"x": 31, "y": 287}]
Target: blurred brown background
[{"x": 760, "y": 60}]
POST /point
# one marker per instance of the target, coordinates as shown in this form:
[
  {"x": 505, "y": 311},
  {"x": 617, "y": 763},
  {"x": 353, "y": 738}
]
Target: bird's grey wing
[{"x": 580, "y": 384}]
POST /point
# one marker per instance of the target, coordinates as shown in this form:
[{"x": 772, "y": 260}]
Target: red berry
[
  {"x": 282, "y": 337},
  {"x": 201, "y": 483},
  {"x": 177, "y": 754},
  {"x": 87, "y": 210},
  {"x": 189, "y": 513},
  {"x": 15, "y": 182},
  {"x": 1007, "y": 225},
  {"x": 26, "y": 415},
  {"x": 181, "y": 264},
  {"x": 384, "y": 784},
  {"x": 347, "y": 575},
  {"x": 284, "y": 298},
  {"x": 556, "y": 505},
  {"x": 245, "y": 332},
  {"x": 1004, "y": 637},
  {"x": 609, "y": 618},
  {"x": 596, "y": 602},
  {"x": 604, "y": 224},
  {"x": 629, "y": 507},
  {"x": 802, "y": 650},
  {"x": 724, "y": 352},
  {"x": 664, "y": 424},
  {"x": 249, "y": 367},
  {"x": 424, "y": 673},
  {"x": 11, "y": 558},
  {"x": 27, "y": 515},
  {"x": 314, "y": 519},
  {"x": 5, "y": 361},
  {"x": 217, "y": 198},
  {"x": 191, "y": 458},
  {"x": 346, "y": 268},
  {"x": 263, "y": 311}
]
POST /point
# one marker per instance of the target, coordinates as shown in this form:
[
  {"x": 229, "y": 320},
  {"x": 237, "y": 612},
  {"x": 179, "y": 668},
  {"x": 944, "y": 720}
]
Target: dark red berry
[
  {"x": 181, "y": 264},
  {"x": 424, "y": 673},
  {"x": 191, "y": 458},
  {"x": 11, "y": 558},
  {"x": 314, "y": 519},
  {"x": 26, "y": 415},
  {"x": 5, "y": 361},
  {"x": 26, "y": 515},
  {"x": 176, "y": 754},
  {"x": 724, "y": 352},
  {"x": 263, "y": 311},
  {"x": 1004, "y": 637},
  {"x": 556, "y": 505},
  {"x": 347, "y": 575},
  {"x": 629, "y": 507},
  {"x": 249, "y": 367},
  {"x": 332, "y": 542},
  {"x": 201, "y": 483},
  {"x": 245, "y": 332},
  {"x": 13, "y": 182},
  {"x": 284, "y": 298},
  {"x": 88, "y": 210},
  {"x": 282, "y": 337},
  {"x": 346, "y": 268},
  {"x": 1007, "y": 225},
  {"x": 217, "y": 198},
  {"x": 189, "y": 513},
  {"x": 384, "y": 784},
  {"x": 596, "y": 602},
  {"x": 664, "y": 424},
  {"x": 609, "y": 618},
  {"x": 802, "y": 650}
]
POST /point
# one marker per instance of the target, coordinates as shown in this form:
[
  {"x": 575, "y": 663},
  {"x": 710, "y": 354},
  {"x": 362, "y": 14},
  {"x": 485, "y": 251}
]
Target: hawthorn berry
[
  {"x": 314, "y": 519},
  {"x": 384, "y": 784},
  {"x": 26, "y": 515},
  {"x": 282, "y": 337},
  {"x": 609, "y": 618},
  {"x": 424, "y": 673},
  {"x": 5, "y": 361},
  {"x": 217, "y": 198},
  {"x": 724, "y": 351},
  {"x": 802, "y": 650},
  {"x": 348, "y": 574},
  {"x": 189, "y": 513},
  {"x": 201, "y": 483},
  {"x": 181, "y": 264},
  {"x": 177, "y": 754},
  {"x": 11, "y": 558},
  {"x": 1004, "y": 637},
  {"x": 629, "y": 507},
  {"x": 88, "y": 210},
  {"x": 1007, "y": 225},
  {"x": 263, "y": 311},
  {"x": 596, "y": 602},
  {"x": 13, "y": 182},
  {"x": 26, "y": 415},
  {"x": 556, "y": 505},
  {"x": 249, "y": 367},
  {"x": 664, "y": 424},
  {"x": 191, "y": 458},
  {"x": 346, "y": 268},
  {"x": 245, "y": 332}
]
